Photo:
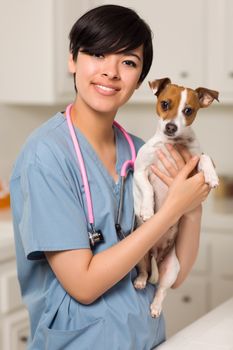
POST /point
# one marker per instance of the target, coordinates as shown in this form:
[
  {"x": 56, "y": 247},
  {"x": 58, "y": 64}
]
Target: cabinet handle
[
  {"x": 184, "y": 74},
  {"x": 186, "y": 299},
  {"x": 23, "y": 338}
]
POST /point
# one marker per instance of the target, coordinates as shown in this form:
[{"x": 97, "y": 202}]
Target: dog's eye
[
  {"x": 165, "y": 105},
  {"x": 188, "y": 111}
]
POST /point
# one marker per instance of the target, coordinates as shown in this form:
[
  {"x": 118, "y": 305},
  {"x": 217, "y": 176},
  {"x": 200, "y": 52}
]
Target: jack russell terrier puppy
[{"x": 177, "y": 108}]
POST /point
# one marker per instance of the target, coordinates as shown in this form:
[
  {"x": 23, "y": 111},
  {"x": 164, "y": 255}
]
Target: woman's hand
[
  {"x": 179, "y": 154},
  {"x": 186, "y": 191}
]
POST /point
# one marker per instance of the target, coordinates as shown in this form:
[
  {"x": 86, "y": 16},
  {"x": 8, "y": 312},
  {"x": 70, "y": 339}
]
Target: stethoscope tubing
[
  {"x": 128, "y": 164},
  {"x": 82, "y": 166}
]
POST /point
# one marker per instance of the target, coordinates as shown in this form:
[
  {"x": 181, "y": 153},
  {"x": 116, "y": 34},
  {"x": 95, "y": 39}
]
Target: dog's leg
[
  {"x": 143, "y": 272},
  {"x": 143, "y": 196},
  {"x": 206, "y": 165},
  {"x": 168, "y": 271}
]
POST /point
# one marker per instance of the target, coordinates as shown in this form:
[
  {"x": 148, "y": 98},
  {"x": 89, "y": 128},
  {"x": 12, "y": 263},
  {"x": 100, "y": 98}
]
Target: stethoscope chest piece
[{"x": 95, "y": 236}]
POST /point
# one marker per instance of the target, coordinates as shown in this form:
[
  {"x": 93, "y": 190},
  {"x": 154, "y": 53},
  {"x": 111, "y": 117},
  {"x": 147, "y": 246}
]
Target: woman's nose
[{"x": 110, "y": 69}]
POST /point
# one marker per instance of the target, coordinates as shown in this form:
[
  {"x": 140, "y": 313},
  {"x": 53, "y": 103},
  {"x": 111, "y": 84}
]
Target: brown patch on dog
[
  {"x": 171, "y": 94},
  {"x": 192, "y": 102}
]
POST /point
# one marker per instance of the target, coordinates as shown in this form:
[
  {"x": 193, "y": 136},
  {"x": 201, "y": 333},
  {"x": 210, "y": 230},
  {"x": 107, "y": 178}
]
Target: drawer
[
  {"x": 185, "y": 304},
  {"x": 10, "y": 298},
  {"x": 222, "y": 290}
]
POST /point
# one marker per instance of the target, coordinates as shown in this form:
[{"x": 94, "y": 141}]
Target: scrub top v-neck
[{"x": 50, "y": 214}]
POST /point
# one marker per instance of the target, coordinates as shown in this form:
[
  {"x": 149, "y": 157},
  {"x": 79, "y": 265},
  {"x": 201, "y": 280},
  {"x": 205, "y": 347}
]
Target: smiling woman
[{"x": 80, "y": 296}]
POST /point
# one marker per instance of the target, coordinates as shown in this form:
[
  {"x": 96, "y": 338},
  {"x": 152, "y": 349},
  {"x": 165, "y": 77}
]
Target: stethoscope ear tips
[{"x": 95, "y": 237}]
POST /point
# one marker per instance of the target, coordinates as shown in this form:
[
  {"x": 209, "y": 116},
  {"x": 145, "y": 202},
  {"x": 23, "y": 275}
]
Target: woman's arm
[
  {"x": 187, "y": 243},
  {"x": 86, "y": 277}
]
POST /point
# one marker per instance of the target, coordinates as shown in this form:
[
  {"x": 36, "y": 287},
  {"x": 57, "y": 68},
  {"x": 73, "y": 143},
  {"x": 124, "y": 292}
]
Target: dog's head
[{"x": 177, "y": 106}]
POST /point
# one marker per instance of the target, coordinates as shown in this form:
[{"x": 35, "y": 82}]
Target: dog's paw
[
  {"x": 206, "y": 165},
  {"x": 155, "y": 309},
  {"x": 146, "y": 214},
  {"x": 211, "y": 178},
  {"x": 140, "y": 282}
]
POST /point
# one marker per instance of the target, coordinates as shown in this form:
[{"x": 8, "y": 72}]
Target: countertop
[{"x": 214, "y": 331}]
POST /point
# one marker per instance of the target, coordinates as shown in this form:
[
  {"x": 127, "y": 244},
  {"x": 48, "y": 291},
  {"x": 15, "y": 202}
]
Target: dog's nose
[{"x": 170, "y": 129}]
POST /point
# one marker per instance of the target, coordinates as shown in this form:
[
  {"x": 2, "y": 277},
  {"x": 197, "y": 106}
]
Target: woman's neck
[{"x": 96, "y": 127}]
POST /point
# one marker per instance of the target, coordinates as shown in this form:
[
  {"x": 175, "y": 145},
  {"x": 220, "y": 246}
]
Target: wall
[{"x": 213, "y": 126}]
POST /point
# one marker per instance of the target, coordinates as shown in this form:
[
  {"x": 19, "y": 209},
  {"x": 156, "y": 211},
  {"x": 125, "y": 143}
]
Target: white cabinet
[
  {"x": 14, "y": 324},
  {"x": 209, "y": 284},
  {"x": 34, "y": 50},
  {"x": 220, "y": 47},
  {"x": 185, "y": 304},
  {"x": 15, "y": 329}
]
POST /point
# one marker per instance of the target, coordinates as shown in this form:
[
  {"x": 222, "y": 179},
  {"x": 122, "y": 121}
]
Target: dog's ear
[
  {"x": 158, "y": 85},
  {"x": 206, "y": 96}
]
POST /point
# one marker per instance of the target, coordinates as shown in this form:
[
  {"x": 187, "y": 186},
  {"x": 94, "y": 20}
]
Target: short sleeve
[{"x": 52, "y": 217}]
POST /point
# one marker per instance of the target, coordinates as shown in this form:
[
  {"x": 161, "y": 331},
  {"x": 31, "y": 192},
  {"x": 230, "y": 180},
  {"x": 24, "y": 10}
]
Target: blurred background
[{"x": 193, "y": 45}]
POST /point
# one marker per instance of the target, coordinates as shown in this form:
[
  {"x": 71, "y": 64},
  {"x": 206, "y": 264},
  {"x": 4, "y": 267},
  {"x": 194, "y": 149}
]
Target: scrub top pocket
[{"x": 82, "y": 338}]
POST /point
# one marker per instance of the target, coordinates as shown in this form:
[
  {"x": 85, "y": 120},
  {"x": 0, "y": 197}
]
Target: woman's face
[{"x": 106, "y": 81}]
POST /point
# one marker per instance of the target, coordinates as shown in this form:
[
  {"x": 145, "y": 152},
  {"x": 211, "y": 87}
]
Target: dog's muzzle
[{"x": 170, "y": 129}]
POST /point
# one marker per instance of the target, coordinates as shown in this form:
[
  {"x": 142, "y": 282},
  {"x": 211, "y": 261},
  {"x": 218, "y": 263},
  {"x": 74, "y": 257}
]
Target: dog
[{"x": 176, "y": 108}]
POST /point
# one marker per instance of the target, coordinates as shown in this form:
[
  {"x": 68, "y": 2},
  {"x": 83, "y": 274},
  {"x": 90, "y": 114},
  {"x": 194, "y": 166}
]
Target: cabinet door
[
  {"x": 179, "y": 40},
  {"x": 222, "y": 290},
  {"x": 185, "y": 304},
  {"x": 34, "y": 50},
  {"x": 65, "y": 17},
  {"x": 220, "y": 42},
  {"x": 26, "y": 51},
  {"x": 222, "y": 258},
  {"x": 10, "y": 297},
  {"x": 15, "y": 331}
]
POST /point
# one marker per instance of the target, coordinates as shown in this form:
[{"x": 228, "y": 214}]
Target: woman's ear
[{"x": 71, "y": 64}]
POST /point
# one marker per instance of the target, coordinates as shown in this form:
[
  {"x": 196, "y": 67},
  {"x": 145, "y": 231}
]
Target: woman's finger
[
  {"x": 184, "y": 152},
  {"x": 168, "y": 165},
  {"x": 189, "y": 167},
  {"x": 163, "y": 177},
  {"x": 176, "y": 155}
]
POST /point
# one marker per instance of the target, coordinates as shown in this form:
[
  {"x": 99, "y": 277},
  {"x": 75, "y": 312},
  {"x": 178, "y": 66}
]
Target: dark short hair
[{"x": 112, "y": 28}]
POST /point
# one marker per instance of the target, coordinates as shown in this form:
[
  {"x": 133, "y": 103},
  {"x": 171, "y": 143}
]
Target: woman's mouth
[{"x": 106, "y": 90}]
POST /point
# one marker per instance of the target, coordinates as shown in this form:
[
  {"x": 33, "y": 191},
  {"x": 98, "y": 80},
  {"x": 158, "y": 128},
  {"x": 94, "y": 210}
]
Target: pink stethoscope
[{"x": 96, "y": 236}]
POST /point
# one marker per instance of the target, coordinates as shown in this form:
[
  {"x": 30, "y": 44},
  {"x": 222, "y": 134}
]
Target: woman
[{"x": 79, "y": 296}]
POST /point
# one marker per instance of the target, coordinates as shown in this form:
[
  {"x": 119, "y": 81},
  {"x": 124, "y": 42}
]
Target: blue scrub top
[{"x": 50, "y": 214}]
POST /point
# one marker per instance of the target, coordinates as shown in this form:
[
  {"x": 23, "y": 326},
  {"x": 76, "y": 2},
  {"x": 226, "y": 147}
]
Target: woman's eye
[
  {"x": 97, "y": 55},
  {"x": 188, "y": 111},
  {"x": 130, "y": 63},
  {"x": 94, "y": 54},
  {"x": 165, "y": 105}
]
